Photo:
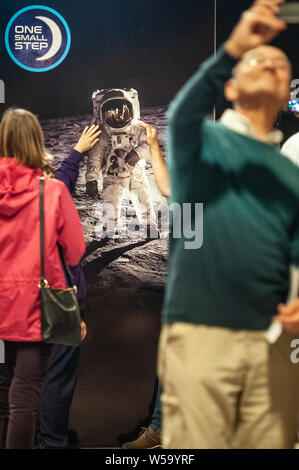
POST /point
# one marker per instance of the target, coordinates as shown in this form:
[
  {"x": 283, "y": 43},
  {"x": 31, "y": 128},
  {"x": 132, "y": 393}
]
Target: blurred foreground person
[
  {"x": 27, "y": 358},
  {"x": 224, "y": 384}
]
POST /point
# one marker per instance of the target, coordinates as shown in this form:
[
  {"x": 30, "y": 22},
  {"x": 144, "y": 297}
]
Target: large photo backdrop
[{"x": 153, "y": 47}]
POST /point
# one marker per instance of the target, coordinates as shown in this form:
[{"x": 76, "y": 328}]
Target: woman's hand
[
  {"x": 83, "y": 331},
  {"x": 151, "y": 133},
  {"x": 88, "y": 139}
]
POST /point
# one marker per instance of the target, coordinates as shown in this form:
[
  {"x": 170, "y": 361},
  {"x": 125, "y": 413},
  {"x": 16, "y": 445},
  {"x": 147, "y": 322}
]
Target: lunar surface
[
  {"x": 61, "y": 136},
  {"x": 126, "y": 279}
]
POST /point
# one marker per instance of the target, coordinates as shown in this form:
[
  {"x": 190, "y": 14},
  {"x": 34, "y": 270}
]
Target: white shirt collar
[{"x": 241, "y": 124}]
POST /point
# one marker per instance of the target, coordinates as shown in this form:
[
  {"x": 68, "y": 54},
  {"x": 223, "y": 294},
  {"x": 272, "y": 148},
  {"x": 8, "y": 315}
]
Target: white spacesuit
[{"x": 121, "y": 154}]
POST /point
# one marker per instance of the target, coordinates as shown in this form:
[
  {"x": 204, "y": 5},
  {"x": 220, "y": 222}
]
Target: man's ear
[{"x": 231, "y": 91}]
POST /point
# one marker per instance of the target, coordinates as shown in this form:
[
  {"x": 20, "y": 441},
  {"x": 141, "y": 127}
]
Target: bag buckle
[{"x": 43, "y": 283}]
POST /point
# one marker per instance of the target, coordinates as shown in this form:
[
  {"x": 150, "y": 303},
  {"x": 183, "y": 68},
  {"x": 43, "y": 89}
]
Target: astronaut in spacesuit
[{"x": 120, "y": 156}]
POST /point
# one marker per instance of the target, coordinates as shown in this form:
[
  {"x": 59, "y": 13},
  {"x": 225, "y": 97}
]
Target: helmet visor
[{"x": 117, "y": 113}]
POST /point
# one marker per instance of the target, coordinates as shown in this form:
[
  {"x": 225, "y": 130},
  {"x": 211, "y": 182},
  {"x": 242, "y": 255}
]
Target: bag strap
[
  {"x": 42, "y": 229},
  {"x": 42, "y": 241}
]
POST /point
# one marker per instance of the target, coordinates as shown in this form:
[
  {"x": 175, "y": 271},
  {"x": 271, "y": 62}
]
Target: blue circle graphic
[{"x": 64, "y": 46}]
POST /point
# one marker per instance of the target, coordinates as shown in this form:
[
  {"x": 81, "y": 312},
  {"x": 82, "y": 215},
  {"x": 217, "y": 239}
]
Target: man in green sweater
[{"x": 225, "y": 385}]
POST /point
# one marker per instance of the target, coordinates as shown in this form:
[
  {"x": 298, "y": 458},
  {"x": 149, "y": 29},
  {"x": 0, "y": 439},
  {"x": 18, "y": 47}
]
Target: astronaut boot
[
  {"x": 116, "y": 234},
  {"x": 110, "y": 232}
]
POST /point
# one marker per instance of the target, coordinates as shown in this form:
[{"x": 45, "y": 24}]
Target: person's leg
[
  {"x": 6, "y": 375},
  {"x": 142, "y": 202},
  {"x": 57, "y": 396},
  {"x": 144, "y": 198},
  {"x": 112, "y": 199},
  {"x": 156, "y": 422},
  {"x": 150, "y": 437},
  {"x": 202, "y": 373},
  {"x": 270, "y": 402},
  {"x": 32, "y": 364},
  {"x": 136, "y": 204}
]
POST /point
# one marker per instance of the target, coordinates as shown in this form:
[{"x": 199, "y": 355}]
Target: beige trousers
[{"x": 227, "y": 389}]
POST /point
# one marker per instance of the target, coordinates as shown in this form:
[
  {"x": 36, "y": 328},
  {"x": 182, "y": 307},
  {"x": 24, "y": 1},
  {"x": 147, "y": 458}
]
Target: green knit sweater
[{"x": 250, "y": 196}]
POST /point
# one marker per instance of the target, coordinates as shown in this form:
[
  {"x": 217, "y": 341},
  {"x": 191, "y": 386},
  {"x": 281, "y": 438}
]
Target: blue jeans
[
  {"x": 156, "y": 422},
  {"x": 57, "y": 396}
]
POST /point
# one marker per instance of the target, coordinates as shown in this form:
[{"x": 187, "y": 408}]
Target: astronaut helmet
[{"x": 116, "y": 109}]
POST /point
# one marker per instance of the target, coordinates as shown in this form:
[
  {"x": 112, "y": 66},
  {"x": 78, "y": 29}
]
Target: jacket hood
[{"x": 16, "y": 184}]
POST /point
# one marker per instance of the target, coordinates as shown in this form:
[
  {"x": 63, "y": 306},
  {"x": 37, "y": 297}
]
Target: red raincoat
[{"x": 20, "y": 314}]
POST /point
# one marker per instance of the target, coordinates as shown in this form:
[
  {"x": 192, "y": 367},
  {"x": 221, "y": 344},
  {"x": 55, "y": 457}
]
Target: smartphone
[
  {"x": 294, "y": 106},
  {"x": 289, "y": 12}
]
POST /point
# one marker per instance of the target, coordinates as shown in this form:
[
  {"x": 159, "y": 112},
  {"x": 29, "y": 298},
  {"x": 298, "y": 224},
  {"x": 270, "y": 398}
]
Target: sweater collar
[{"x": 241, "y": 124}]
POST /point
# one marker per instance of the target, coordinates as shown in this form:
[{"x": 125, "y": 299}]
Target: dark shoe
[
  {"x": 147, "y": 439},
  {"x": 39, "y": 444}
]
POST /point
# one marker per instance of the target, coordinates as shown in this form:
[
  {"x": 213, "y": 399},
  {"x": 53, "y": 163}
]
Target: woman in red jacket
[{"x": 22, "y": 155}]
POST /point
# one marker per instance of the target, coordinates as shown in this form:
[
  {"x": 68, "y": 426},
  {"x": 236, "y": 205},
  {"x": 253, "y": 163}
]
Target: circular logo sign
[{"x": 37, "y": 38}]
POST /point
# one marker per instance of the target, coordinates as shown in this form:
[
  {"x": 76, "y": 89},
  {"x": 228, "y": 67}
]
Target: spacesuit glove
[{"x": 92, "y": 188}]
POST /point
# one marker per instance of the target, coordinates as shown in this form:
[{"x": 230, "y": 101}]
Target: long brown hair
[{"x": 21, "y": 137}]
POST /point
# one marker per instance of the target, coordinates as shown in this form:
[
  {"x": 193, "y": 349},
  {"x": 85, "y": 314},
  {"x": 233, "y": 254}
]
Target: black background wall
[{"x": 149, "y": 45}]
